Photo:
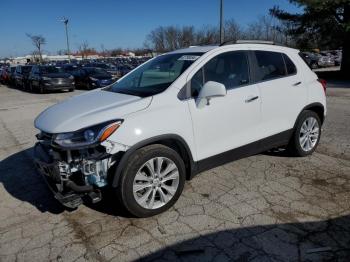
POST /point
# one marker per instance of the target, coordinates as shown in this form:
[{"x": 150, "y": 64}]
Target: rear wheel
[
  {"x": 41, "y": 89},
  {"x": 152, "y": 181},
  {"x": 30, "y": 86},
  {"x": 306, "y": 135}
]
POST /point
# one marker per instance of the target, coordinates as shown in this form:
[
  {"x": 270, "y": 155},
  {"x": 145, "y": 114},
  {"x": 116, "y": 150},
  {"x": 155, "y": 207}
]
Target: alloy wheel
[
  {"x": 156, "y": 182},
  {"x": 309, "y": 134}
]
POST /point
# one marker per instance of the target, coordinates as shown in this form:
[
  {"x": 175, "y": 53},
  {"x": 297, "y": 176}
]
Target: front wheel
[
  {"x": 306, "y": 135},
  {"x": 152, "y": 180},
  {"x": 31, "y": 86}
]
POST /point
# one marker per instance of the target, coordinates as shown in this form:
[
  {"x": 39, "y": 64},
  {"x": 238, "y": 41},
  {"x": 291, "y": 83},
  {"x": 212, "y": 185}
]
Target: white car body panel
[
  {"x": 227, "y": 123},
  {"x": 88, "y": 109},
  {"x": 166, "y": 115}
]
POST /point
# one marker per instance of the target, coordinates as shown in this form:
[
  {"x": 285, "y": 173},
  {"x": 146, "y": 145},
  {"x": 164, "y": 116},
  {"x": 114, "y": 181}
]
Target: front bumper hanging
[{"x": 68, "y": 188}]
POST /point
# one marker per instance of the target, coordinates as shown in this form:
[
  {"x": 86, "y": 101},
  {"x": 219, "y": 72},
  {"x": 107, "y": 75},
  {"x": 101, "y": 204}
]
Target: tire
[
  {"x": 31, "y": 87},
  {"x": 137, "y": 164},
  {"x": 71, "y": 89},
  {"x": 41, "y": 89},
  {"x": 298, "y": 145}
]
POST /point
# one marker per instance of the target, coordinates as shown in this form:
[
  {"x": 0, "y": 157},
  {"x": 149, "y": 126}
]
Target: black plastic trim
[
  {"x": 316, "y": 104},
  {"x": 277, "y": 140},
  {"x": 280, "y": 139}
]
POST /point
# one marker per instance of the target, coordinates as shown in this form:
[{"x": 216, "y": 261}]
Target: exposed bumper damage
[{"x": 75, "y": 175}]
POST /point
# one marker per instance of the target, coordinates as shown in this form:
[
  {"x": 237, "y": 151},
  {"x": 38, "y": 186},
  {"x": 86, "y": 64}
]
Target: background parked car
[
  {"x": 72, "y": 69},
  {"x": 45, "y": 78},
  {"x": 21, "y": 76},
  {"x": 92, "y": 77},
  {"x": 311, "y": 59},
  {"x": 108, "y": 67},
  {"x": 12, "y": 75},
  {"x": 326, "y": 60},
  {"x": 4, "y": 75}
]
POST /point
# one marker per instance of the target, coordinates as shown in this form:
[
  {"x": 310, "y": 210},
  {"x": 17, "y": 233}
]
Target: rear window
[
  {"x": 50, "y": 70},
  {"x": 271, "y": 65},
  {"x": 290, "y": 66},
  {"x": 26, "y": 69},
  {"x": 305, "y": 59}
]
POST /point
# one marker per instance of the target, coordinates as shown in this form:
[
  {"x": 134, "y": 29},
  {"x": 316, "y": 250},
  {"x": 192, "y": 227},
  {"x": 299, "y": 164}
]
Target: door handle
[
  {"x": 251, "y": 99},
  {"x": 297, "y": 83}
]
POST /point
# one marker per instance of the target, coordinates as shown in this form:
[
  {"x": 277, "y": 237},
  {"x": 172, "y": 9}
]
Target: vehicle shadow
[
  {"x": 20, "y": 179},
  {"x": 277, "y": 152},
  {"x": 327, "y": 240}
]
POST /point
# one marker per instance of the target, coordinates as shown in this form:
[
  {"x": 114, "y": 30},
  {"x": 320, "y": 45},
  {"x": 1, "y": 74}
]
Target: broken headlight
[{"x": 87, "y": 136}]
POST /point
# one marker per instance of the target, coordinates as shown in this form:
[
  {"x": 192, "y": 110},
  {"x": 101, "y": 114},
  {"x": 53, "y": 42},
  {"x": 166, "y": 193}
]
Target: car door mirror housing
[{"x": 209, "y": 90}]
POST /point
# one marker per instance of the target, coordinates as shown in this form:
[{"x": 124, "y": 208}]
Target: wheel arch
[
  {"x": 172, "y": 141},
  {"x": 318, "y": 108}
]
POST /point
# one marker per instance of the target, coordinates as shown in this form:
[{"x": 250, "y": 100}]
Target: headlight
[
  {"x": 93, "y": 79},
  {"x": 87, "y": 136}
]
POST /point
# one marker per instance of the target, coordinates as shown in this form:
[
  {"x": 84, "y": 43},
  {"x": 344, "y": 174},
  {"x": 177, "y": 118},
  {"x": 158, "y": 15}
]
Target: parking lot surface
[{"x": 268, "y": 207}]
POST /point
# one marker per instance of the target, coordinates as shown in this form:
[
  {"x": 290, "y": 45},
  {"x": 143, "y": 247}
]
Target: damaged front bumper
[{"x": 73, "y": 175}]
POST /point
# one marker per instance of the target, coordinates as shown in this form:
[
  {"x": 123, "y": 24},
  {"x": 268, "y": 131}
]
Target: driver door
[{"x": 230, "y": 121}]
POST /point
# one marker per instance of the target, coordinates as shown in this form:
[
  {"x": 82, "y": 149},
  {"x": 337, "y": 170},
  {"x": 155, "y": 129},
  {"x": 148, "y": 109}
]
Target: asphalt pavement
[{"x": 268, "y": 207}]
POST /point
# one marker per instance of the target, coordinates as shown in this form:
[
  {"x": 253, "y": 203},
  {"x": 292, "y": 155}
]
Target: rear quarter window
[{"x": 290, "y": 66}]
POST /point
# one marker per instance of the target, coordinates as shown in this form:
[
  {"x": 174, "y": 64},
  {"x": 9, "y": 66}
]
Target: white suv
[{"x": 174, "y": 116}]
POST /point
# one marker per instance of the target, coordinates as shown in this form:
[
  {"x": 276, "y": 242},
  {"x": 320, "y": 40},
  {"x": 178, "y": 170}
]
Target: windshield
[
  {"x": 50, "y": 70},
  {"x": 154, "y": 76},
  {"x": 104, "y": 66},
  {"x": 95, "y": 70}
]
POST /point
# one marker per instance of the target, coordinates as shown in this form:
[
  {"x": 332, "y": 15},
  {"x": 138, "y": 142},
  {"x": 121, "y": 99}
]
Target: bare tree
[
  {"x": 38, "y": 41},
  {"x": 156, "y": 40},
  {"x": 62, "y": 52},
  {"x": 233, "y": 31},
  {"x": 83, "y": 49},
  {"x": 187, "y": 36},
  {"x": 267, "y": 28},
  {"x": 163, "y": 39},
  {"x": 207, "y": 35},
  {"x": 104, "y": 51}
]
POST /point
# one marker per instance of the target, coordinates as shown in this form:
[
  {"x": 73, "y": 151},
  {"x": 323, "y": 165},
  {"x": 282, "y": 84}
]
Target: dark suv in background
[
  {"x": 92, "y": 77},
  {"x": 21, "y": 76},
  {"x": 48, "y": 78}
]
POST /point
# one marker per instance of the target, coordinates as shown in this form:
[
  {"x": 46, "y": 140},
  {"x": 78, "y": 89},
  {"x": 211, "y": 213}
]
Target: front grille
[{"x": 61, "y": 81}]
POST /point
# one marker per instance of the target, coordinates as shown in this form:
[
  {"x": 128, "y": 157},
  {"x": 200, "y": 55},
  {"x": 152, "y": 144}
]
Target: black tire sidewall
[
  {"x": 135, "y": 161},
  {"x": 296, "y": 143}
]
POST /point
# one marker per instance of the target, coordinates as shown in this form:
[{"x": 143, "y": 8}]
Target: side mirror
[{"x": 209, "y": 90}]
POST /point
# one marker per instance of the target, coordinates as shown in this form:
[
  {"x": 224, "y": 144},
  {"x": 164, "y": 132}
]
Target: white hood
[{"x": 88, "y": 109}]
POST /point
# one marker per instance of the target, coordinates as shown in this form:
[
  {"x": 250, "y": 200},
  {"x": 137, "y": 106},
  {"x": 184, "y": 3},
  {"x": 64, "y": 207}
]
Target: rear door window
[{"x": 270, "y": 65}]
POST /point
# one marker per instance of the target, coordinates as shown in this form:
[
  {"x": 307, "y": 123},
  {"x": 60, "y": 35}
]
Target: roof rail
[{"x": 247, "y": 42}]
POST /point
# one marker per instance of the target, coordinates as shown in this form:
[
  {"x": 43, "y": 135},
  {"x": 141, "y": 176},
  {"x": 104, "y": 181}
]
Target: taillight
[{"x": 323, "y": 83}]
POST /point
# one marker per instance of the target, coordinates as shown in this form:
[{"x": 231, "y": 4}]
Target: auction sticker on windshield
[{"x": 189, "y": 57}]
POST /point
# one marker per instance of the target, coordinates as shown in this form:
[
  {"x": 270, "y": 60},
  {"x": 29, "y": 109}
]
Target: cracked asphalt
[{"x": 268, "y": 207}]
